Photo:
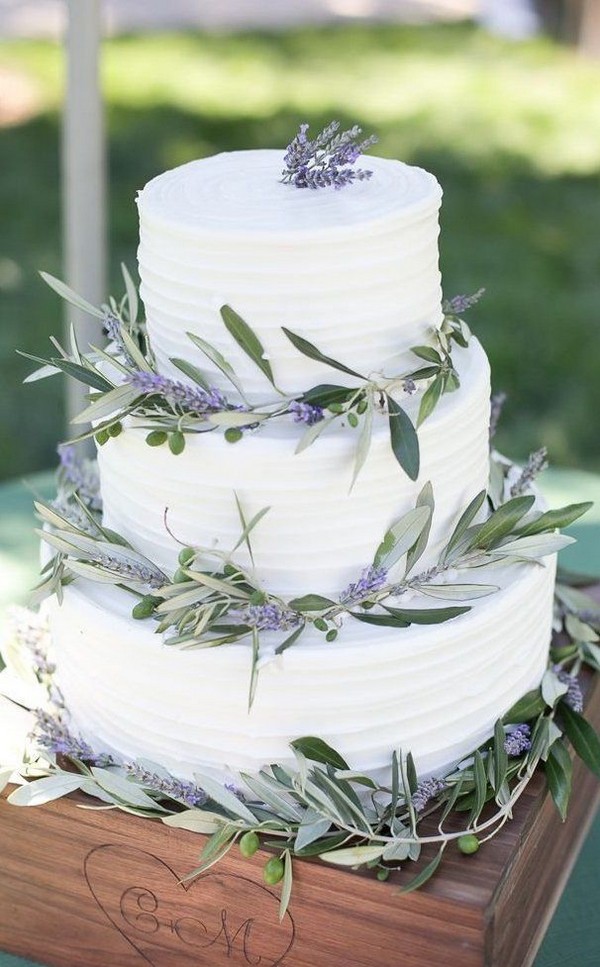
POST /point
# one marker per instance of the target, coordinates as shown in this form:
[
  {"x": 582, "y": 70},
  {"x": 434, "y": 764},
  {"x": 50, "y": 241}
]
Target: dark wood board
[{"x": 83, "y": 888}]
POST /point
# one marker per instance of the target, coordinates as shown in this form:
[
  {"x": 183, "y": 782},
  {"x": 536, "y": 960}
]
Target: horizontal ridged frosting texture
[
  {"x": 435, "y": 690},
  {"x": 355, "y": 271},
  {"x": 317, "y": 536}
]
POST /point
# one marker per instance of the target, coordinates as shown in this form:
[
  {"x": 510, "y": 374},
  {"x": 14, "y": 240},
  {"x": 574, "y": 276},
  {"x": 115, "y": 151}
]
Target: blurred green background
[{"x": 511, "y": 130}]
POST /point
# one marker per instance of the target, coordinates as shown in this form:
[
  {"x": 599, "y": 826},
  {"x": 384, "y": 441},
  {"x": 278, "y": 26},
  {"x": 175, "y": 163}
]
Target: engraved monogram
[{"x": 218, "y": 918}]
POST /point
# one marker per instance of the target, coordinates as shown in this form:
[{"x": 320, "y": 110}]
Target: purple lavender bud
[
  {"x": 518, "y": 740},
  {"x": 82, "y": 475},
  {"x": 460, "y": 303},
  {"x": 536, "y": 462},
  {"x": 191, "y": 398},
  {"x": 497, "y": 402},
  {"x": 346, "y": 155},
  {"x": 324, "y": 162},
  {"x": 425, "y": 791},
  {"x": 180, "y": 790},
  {"x": 30, "y": 629},
  {"x": 130, "y": 568},
  {"x": 372, "y": 579},
  {"x": 54, "y": 736},
  {"x": 305, "y": 413},
  {"x": 113, "y": 329},
  {"x": 409, "y": 386},
  {"x": 573, "y": 697},
  {"x": 267, "y": 617}
]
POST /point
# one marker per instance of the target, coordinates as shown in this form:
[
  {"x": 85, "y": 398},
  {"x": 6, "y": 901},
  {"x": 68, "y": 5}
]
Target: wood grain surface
[{"x": 87, "y": 888}]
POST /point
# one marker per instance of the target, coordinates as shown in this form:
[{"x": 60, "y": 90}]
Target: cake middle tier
[{"x": 317, "y": 536}]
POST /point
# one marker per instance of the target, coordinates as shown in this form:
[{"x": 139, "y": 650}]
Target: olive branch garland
[
  {"x": 319, "y": 806},
  {"x": 123, "y": 382},
  {"x": 212, "y": 600}
]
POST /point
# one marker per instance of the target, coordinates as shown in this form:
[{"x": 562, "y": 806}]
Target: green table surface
[{"x": 573, "y": 938}]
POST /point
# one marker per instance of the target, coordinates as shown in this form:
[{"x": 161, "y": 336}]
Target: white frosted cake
[{"x": 354, "y": 272}]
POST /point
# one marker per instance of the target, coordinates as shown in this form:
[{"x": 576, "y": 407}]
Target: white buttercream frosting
[
  {"x": 355, "y": 271},
  {"x": 435, "y": 690},
  {"x": 317, "y": 536}
]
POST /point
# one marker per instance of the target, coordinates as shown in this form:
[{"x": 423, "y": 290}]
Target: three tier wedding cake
[
  {"x": 302, "y": 572},
  {"x": 356, "y": 272}
]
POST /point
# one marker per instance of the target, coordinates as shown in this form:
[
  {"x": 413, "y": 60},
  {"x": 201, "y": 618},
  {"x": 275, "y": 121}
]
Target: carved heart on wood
[{"x": 219, "y": 918}]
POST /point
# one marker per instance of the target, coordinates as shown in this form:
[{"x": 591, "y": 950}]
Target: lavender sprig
[
  {"x": 574, "y": 695},
  {"x": 372, "y": 579},
  {"x": 497, "y": 402},
  {"x": 190, "y": 398},
  {"x": 536, "y": 462},
  {"x": 134, "y": 570},
  {"x": 54, "y": 736},
  {"x": 460, "y": 303},
  {"x": 112, "y": 327},
  {"x": 81, "y": 474},
  {"x": 305, "y": 413},
  {"x": 30, "y": 629},
  {"x": 180, "y": 790},
  {"x": 267, "y": 617},
  {"x": 325, "y": 161},
  {"x": 518, "y": 740},
  {"x": 426, "y": 790},
  {"x": 72, "y": 512}
]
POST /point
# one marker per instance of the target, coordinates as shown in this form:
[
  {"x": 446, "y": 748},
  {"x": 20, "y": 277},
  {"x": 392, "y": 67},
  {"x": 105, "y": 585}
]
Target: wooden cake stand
[{"x": 86, "y": 888}]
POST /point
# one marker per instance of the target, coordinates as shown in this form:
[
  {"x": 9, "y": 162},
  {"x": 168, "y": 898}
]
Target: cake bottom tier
[{"x": 434, "y": 690}]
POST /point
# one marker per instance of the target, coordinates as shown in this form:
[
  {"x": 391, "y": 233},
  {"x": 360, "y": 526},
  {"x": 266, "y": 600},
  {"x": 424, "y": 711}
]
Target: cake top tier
[{"x": 241, "y": 191}]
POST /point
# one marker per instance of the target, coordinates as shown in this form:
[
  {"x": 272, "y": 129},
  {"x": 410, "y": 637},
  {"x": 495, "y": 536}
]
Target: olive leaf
[
  {"x": 247, "y": 340},
  {"x": 501, "y": 522},
  {"x": 188, "y": 369},
  {"x": 109, "y": 403},
  {"x": 132, "y": 296},
  {"x": 428, "y": 353},
  {"x": 525, "y": 709},
  {"x": 559, "y": 774},
  {"x": 66, "y": 293},
  {"x": 218, "y": 359},
  {"x": 401, "y": 537},
  {"x": 500, "y": 757},
  {"x": 364, "y": 443},
  {"x": 317, "y": 750},
  {"x": 290, "y": 640},
  {"x": 83, "y": 374},
  {"x": 44, "y": 790},
  {"x": 311, "y": 602},
  {"x": 325, "y": 394},
  {"x": 553, "y": 519},
  {"x": 583, "y": 737},
  {"x": 286, "y": 886},
  {"x": 535, "y": 546},
  {"x": 464, "y": 521},
  {"x": 353, "y": 855},
  {"x": 253, "y": 668},
  {"x": 425, "y": 499},
  {"x": 404, "y": 439},
  {"x": 307, "y": 349},
  {"x": 426, "y": 873},
  {"x": 481, "y": 788},
  {"x": 457, "y": 592},
  {"x": 430, "y": 399}
]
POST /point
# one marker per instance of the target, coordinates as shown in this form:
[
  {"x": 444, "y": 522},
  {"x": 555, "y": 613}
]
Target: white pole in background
[{"x": 83, "y": 176}]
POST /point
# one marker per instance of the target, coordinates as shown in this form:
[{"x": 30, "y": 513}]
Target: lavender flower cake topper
[{"x": 325, "y": 161}]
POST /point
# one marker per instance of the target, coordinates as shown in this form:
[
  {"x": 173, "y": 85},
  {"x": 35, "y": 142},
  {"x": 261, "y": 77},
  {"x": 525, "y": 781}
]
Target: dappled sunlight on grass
[
  {"x": 512, "y": 131},
  {"x": 450, "y": 87}
]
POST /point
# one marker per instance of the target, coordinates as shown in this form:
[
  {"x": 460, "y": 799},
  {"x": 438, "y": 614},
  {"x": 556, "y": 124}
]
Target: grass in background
[{"x": 511, "y": 131}]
